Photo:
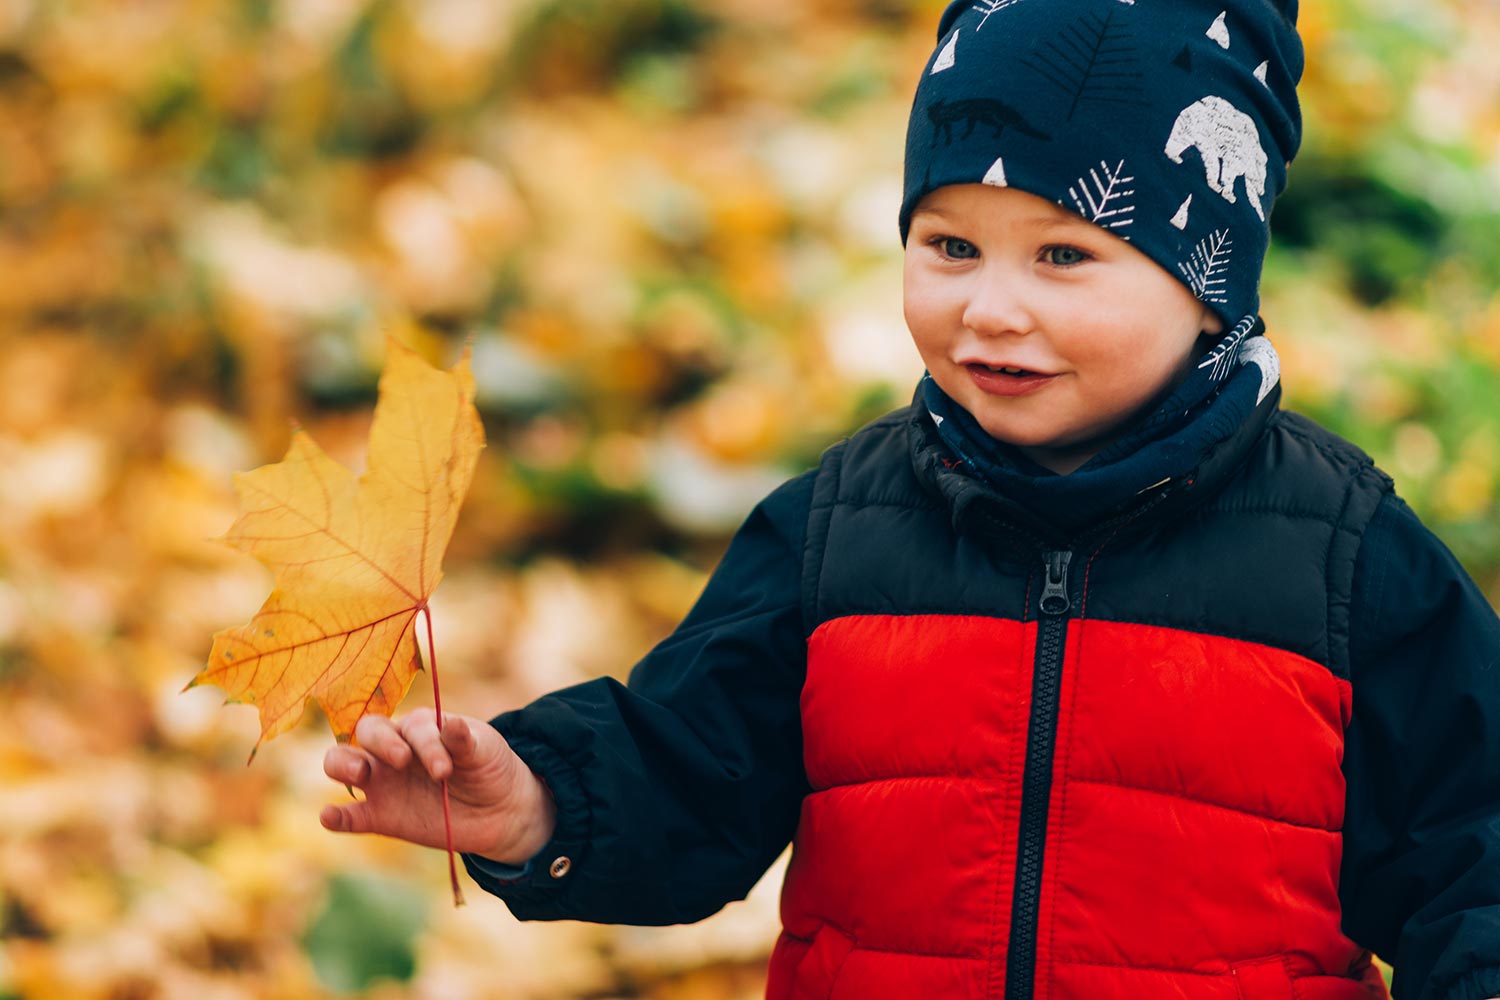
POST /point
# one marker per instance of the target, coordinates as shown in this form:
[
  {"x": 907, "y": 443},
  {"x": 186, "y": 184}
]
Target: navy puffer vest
[{"x": 1101, "y": 766}]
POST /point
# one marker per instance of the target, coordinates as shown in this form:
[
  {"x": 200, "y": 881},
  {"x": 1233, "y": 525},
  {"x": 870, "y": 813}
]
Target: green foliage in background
[
  {"x": 1385, "y": 263},
  {"x": 366, "y": 931}
]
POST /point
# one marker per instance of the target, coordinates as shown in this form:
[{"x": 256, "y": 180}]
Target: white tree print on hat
[
  {"x": 1180, "y": 220},
  {"x": 947, "y": 58},
  {"x": 995, "y": 176},
  {"x": 1102, "y": 196},
  {"x": 1219, "y": 31},
  {"x": 1229, "y": 143},
  {"x": 1223, "y": 357},
  {"x": 1204, "y": 271},
  {"x": 989, "y": 7}
]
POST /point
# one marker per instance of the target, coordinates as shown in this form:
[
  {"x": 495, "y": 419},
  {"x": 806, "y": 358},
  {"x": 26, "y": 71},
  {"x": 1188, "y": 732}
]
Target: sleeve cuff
[
  {"x": 496, "y": 871},
  {"x": 547, "y": 874}
]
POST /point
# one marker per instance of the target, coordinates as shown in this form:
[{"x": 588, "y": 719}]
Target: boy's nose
[{"x": 996, "y": 307}]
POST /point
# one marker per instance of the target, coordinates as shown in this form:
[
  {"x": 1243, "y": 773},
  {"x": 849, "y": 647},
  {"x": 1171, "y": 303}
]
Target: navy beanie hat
[{"x": 1169, "y": 123}]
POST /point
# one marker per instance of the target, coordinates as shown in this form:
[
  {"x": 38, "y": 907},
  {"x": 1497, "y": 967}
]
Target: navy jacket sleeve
[
  {"x": 676, "y": 791},
  {"x": 1421, "y": 869}
]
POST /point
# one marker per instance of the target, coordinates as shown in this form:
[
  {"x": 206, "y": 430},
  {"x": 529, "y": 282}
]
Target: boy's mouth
[
  {"x": 1011, "y": 370},
  {"x": 1005, "y": 380}
]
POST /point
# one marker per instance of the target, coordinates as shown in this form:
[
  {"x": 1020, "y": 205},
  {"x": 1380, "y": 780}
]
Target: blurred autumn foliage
[{"x": 668, "y": 228}]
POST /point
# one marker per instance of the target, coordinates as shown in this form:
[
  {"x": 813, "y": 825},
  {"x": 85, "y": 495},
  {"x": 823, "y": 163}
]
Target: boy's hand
[{"x": 500, "y": 809}]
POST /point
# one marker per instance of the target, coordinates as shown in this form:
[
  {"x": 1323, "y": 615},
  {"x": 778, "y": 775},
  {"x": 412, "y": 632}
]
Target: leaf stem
[{"x": 437, "y": 701}]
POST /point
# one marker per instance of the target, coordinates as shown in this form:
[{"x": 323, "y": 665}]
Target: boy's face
[{"x": 999, "y": 278}]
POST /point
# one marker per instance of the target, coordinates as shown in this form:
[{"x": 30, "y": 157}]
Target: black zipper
[
  {"x": 1036, "y": 780},
  {"x": 1041, "y": 737}
]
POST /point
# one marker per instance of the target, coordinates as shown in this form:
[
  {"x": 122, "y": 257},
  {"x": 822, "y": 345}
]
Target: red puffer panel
[
  {"x": 914, "y": 740},
  {"x": 1192, "y": 847}
]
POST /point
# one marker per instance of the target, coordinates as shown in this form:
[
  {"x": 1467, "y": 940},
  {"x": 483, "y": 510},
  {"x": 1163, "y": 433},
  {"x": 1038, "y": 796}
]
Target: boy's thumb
[
  {"x": 459, "y": 740},
  {"x": 352, "y": 817}
]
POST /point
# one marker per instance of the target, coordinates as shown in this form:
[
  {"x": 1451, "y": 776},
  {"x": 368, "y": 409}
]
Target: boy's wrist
[{"x": 529, "y": 823}]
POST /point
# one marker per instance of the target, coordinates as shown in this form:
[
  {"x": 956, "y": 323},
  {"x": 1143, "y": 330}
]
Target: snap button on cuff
[{"x": 560, "y": 867}]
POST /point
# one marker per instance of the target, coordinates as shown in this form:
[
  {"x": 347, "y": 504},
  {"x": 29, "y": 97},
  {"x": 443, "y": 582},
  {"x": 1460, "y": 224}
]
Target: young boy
[{"x": 1090, "y": 674}]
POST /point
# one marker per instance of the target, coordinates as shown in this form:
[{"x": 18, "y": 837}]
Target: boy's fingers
[
  {"x": 347, "y": 764},
  {"x": 420, "y": 729},
  {"x": 379, "y": 736}
]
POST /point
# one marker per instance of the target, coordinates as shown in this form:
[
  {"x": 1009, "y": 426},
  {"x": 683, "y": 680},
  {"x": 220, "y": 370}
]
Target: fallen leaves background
[{"x": 668, "y": 227}]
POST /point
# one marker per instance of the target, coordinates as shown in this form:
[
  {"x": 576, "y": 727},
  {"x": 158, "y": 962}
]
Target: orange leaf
[{"x": 355, "y": 560}]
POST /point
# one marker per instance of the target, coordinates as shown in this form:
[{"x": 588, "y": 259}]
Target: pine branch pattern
[
  {"x": 1206, "y": 268},
  {"x": 1101, "y": 197},
  {"x": 1093, "y": 60},
  {"x": 989, "y": 7},
  {"x": 1223, "y": 357}
]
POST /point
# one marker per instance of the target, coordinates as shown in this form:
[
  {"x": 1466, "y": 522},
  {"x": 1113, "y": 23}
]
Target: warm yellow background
[{"x": 668, "y": 227}]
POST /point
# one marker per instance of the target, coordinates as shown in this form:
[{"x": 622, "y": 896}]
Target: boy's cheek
[
  {"x": 920, "y": 299},
  {"x": 920, "y": 329}
]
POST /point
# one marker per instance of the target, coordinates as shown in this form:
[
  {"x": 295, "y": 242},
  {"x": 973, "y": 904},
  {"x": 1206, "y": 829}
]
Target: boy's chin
[
  {"x": 1060, "y": 460},
  {"x": 1061, "y": 457},
  {"x": 1065, "y": 454}
]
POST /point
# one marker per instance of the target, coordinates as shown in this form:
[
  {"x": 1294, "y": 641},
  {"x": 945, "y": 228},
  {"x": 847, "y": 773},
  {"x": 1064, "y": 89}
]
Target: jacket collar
[{"x": 1158, "y": 479}]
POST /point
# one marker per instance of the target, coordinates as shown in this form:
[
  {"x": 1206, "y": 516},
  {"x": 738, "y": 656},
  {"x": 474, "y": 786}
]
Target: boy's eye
[
  {"x": 956, "y": 248},
  {"x": 1065, "y": 256}
]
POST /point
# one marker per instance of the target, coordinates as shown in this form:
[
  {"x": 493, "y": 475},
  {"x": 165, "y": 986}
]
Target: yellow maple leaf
[{"x": 355, "y": 560}]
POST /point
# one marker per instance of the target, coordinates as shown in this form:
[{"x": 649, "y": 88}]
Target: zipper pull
[{"x": 1055, "y": 594}]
